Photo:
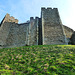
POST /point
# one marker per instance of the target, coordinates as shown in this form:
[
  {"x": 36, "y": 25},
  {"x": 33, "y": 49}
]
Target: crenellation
[
  {"x": 31, "y": 18},
  {"x": 36, "y": 17},
  {"x": 49, "y": 9},
  {"x": 55, "y": 9},
  {"x": 43, "y": 9}
]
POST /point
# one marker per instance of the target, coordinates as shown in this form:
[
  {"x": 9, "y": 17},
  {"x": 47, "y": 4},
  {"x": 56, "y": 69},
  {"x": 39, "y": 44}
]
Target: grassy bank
[{"x": 38, "y": 60}]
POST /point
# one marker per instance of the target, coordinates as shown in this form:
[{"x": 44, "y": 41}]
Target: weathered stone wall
[
  {"x": 33, "y": 31},
  {"x": 52, "y": 27},
  {"x": 4, "y": 31},
  {"x": 17, "y": 35},
  {"x": 73, "y": 38},
  {"x": 39, "y": 31},
  {"x": 13, "y": 34},
  {"x": 68, "y": 31},
  {"x": 5, "y": 28}
]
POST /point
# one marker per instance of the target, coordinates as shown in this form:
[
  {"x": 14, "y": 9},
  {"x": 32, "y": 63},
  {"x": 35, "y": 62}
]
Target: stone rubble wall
[
  {"x": 4, "y": 31},
  {"x": 73, "y": 38},
  {"x": 52, "y": 27},
  {"x": 13, "y": 34},
  {"x": 68, "y": 33},
  {"x": 17, "y": 35},
  {"x": 5, "y": 28},
  {"x": 33, "y": 31}
]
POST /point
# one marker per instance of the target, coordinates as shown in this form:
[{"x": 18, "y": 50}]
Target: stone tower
[{"x": 52, "y": 29}]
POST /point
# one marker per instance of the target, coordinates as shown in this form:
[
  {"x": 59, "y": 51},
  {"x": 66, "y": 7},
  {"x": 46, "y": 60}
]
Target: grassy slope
[{"x": 38, "y": 60}]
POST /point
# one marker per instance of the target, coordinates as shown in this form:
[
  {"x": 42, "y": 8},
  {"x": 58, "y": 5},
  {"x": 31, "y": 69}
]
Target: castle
[{"x": 46, "y": 30}]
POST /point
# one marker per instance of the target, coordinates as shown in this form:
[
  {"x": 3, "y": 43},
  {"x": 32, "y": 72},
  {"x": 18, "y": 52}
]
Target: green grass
[{"x": 38, "y": 60}]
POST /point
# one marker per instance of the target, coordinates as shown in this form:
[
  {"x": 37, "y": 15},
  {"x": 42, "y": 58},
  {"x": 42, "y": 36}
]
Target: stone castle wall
[
  {"x": 52, "y": 27},
  {"x": 68, "y": 31},
  {"x": 4, "y": 31},
  {"x": 5, "y": 28},
  {"x": 39, "y": 31},
  {"x": 17, "y": 35},
  {"x": 33, "y": 31},
  {"x": 13, "y": 34},
  {"x": 73, "y": 38}
]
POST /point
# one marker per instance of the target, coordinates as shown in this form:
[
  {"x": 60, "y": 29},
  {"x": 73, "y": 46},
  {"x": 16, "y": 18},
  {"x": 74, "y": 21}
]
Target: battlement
[
  {"x": 36, "y": 17},
  {"x": 32, "y": 18},
  {"x": 48, "y": 8},
  {"x": 33, "y": 21}
]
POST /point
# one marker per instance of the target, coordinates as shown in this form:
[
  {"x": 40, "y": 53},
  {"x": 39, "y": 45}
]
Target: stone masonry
[
  {"x": 46, "y": 30},
  {"x": 52, "y": 27}
]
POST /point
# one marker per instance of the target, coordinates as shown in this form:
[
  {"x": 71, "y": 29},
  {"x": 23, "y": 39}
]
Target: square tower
[{"x": 52, "y": 29}]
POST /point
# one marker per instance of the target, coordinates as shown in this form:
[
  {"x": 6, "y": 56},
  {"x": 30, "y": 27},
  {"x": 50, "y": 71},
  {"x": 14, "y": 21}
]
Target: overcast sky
[{"x": 24, "y": 9}]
